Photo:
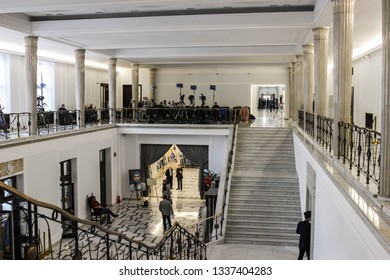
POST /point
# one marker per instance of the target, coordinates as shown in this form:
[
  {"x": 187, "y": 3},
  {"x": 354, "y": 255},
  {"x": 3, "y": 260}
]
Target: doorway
[
  {"x": 128, "y": 95},
  {"x": 67, "y": 198},
  {"x": 103, "y": 177},
  {"x": 260, "y": 94},
  {"x": 11, "y": 238}
]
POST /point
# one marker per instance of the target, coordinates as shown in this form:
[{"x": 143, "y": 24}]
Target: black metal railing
[
  {"x": 27, "y": 226},
  {"x": 325, "y": 132},
  {"x": 19, "y": 124},
  {"x": 16, "y": 124},
  {"x": 360, "y": 147},
  {"x": 357, "y": 146}
]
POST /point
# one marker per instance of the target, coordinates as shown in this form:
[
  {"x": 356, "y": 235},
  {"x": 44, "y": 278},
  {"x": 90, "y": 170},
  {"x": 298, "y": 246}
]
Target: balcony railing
[
  {"x": 19, "y": 124},
  {"x": 357, "y": 146}
]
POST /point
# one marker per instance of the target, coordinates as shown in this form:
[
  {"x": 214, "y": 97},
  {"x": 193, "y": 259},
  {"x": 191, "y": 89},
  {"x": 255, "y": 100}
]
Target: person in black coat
[
  {"x": 169, "y": 175},
  {"x": 179, "y": 177},
  {"x": 304, "y": 229}
]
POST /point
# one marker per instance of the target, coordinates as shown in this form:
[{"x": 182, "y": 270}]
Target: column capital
[
  {"x": 321, "y": 33},
  {"x": 308, "y": 49},
  {"x": 343, "y": 6},
  {"x": 135, "y": 66},
  {"x": 79, "y": 53},
  {"x": 112, "y": 61},
  {"x": 30, "y": 41},
  {"x": 299, "y": 58}
]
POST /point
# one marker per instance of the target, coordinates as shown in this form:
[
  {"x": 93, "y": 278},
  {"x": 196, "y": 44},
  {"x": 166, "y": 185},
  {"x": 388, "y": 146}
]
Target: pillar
[
  {"x": 293, "y": 94},
  {"x": 384, "y": 183},
  {"x": 135, "y": 84},
  {"x": 288, "y": 98},
  {"x": 153, "y": 83},
  {"x": 80, "y": 85},
  {"x": 298, "y": 85},
  {"x": 321, "y": 38},
  {"x": 308, "y": 74},
  {"x": 112, "y": 88},
  {"x": 31, "y": 58},
  {"x": 342, "y": 52}
]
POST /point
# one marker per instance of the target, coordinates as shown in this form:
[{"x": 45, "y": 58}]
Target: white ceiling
[{"x": 178, "y": 33}]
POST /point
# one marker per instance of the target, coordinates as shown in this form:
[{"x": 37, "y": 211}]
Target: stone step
[
  {"x": 276, "y": 236},
  {"x": 261, "y": 241},
  {"x": 265, "y": 212}
]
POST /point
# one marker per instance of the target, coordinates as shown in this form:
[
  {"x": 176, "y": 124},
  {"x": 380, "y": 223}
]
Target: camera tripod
[{"x": 181, "y": 110}]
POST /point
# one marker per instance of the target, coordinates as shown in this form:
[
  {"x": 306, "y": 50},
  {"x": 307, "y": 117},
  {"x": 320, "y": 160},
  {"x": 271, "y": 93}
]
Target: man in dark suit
[
  {"x": 303, "y": 228},
  {"x": 169, "y": 175},
  {"x": 179, "y": 177}
]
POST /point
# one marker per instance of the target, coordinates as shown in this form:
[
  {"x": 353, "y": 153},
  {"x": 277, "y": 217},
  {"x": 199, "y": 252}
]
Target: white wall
[
  {"x": 341, "y": 231},
  {"x": 233, "y": 85},
  {"x": 367, "y": 79},
  {"x": 42, "y": 165}
]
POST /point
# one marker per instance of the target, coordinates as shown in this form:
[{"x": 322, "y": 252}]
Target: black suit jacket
[
  {"x": 303, "y": 228},
  {"x": 169, "y": 175}
]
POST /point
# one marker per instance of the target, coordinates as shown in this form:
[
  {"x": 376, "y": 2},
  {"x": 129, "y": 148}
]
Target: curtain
[
  {"x": 150, "y": 154},
  {"x": 198, "y": 155}
]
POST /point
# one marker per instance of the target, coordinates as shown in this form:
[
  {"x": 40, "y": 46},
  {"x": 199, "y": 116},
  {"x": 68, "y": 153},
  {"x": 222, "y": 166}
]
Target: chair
[{"x": 98, "y": 217}]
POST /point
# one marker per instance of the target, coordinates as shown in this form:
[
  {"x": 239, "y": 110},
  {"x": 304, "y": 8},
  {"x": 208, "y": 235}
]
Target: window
[
  {"x": 45, "y": 87},
  {"x": 4, "y": 83}
]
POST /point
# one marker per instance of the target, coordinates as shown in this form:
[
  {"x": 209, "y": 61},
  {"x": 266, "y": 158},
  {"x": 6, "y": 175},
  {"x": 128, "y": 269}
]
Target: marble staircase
[{"x": 264, "y": 201}]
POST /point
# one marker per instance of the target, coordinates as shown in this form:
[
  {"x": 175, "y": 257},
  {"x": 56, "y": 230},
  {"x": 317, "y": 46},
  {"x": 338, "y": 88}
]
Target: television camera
[
  {"x": 203, "y": 99},
  {"x": 191, "y": 99}
]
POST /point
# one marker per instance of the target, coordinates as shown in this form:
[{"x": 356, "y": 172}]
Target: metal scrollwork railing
[
  {"x": 361, "y": 148},
  {"x": 325, "y": 132},
  {"x": 27, "y": 227}
]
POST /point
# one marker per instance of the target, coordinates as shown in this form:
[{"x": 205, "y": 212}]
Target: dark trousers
[
  {"x": 106, "y": 211},
  {"x": 166, "y": 221},
  {"x": 302, "y": 253},
  {"x": 180, "y": 183}
]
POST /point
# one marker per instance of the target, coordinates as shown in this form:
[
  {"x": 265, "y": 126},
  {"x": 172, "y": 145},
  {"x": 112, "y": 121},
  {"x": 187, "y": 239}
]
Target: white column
[
  {"x": 321, "y": 38},
  {"x": 31, "y": 58},
  {"x": 293, "y": 95},
  {"x": 135, "y": 83},
  {"x": 342, "y": 52},
  {"x": 308, "y": 74},
  {"x": 153, "y": 83},
  {"x": 384, "y": 186},
  {"x": 298, "y": 85},
  {"x": 80, "y": 84},
  {"x": 288, "y": 99},
  {"x": 112, "y": 88}
]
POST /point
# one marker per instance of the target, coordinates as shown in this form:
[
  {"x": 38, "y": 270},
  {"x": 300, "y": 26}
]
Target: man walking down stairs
[{"x": 264, "y": 202}]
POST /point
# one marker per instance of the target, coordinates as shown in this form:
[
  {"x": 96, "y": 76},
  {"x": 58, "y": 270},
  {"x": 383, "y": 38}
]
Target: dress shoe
[
  {"x": 109, "y": 222},
  {"x": 116, "y": 215}
]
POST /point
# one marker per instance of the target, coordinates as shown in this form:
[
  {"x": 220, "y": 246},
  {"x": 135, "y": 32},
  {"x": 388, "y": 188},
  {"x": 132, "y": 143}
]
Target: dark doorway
[
  {"x": 369, "y": 120},
  {"x": 103, "y": 177},
  {"x": 11, "y": 238},
  {"x": 67, "y": 198},
  {"x": 128, "y": 95}
]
